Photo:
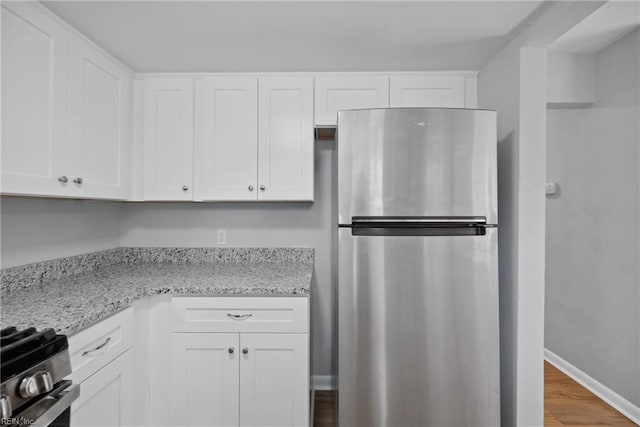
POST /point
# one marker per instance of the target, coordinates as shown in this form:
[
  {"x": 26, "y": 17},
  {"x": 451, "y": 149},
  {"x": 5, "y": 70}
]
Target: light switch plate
[{"x": 222, "y": 237}]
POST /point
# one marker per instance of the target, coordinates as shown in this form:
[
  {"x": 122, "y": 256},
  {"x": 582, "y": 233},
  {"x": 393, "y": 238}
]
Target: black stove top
[{"x": 22, "y": 349}]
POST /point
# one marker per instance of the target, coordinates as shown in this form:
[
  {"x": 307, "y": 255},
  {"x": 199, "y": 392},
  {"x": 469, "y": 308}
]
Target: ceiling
[
  {"x": 604, "y": 26},
  {"x": 260, "y": 36}
]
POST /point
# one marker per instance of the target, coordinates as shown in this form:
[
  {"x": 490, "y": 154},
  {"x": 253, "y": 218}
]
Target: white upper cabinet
[
  {"x": 226, "y": 147},
  {"x": 446, "y": 91},
  {"x": 99, "y": 112},
  {"x": 334, "y": 93},
  {"x": 168, "y": 139},
  {"x": 34, "y": 102},
  {"x": 286, "y": 139}
]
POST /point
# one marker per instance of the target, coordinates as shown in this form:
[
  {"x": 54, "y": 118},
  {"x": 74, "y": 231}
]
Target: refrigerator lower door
[{"x": 418, "y": 330}]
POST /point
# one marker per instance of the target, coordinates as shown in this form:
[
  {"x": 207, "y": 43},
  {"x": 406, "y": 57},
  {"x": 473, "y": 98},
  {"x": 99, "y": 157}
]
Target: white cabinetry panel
[
  {"x": 427, "y": 91},
  {"x": 106, "y": 398},
  {"x": 226, "y": 138},
  {"x": 98, "y": 124},
  {"x": 274, "y": 380},
  {"x": 34, "y": 102},
  {"x": 168, "y": 139},
  {"x": 346, "y": 93},
  {"x": 233, "y": 314},
  {"x": 285, "y": 142},
  {"x": 204, "y": 372}
]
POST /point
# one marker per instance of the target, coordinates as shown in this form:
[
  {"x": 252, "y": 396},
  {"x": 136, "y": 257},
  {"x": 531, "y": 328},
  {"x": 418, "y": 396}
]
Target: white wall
[
  {"x": 514, "y": 84},
  {"x": 257, "y": 225},
  {"x": 593, "y": 226},
  {"x": 36, "y": 229}
]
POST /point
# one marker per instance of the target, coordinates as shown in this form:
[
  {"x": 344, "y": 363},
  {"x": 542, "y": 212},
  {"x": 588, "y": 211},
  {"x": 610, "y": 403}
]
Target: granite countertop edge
[{"x": 71, "y": 294}]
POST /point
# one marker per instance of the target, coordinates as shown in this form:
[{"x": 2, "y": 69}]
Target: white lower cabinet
[
  {"x": 106, "y": 397},
  {"x": 274, "y": 379},
  {"x": 197, "y": 361},
  {"x": 239, "y": 379},
  {"x": 204, "y": 379},
  {"x": 237, "y": 362}
]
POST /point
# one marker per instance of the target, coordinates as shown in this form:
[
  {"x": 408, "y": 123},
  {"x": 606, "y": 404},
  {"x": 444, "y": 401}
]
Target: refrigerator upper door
[
  {"x": 418, "y": 334},
  {"x": 418, "y": 162}
]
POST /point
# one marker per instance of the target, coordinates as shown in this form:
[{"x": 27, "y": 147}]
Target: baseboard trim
[
  {"x": 612, "y": 398},
  {"x": 323, "y": 382}
]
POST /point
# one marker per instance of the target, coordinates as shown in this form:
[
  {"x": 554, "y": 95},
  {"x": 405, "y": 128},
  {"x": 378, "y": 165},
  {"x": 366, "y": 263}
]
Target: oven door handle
[{"x": 50, "y": 406}]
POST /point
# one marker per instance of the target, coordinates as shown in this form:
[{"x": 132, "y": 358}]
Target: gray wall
[
  {"x": 255, "y": 224},
  {"x": 37, "y": 229},
  {"x": 593, "y": 229},
  {"x": 498, "y": 88},
  {"x": 513, "y": 84}
]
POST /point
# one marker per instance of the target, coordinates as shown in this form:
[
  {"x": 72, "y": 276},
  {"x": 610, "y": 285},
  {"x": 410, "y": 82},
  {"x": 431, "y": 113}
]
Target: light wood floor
[{"x": 566, "y": 404}]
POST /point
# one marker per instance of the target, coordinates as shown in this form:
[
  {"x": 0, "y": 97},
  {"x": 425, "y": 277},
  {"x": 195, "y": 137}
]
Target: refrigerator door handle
[
  {"x": 461, "y": 230},
  {"x": 418, "y": 221},
  {"x": 419, "y": 226}
]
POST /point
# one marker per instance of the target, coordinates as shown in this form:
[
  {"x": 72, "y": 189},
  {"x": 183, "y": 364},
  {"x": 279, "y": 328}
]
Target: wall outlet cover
[{"x": 550, "y": 188}]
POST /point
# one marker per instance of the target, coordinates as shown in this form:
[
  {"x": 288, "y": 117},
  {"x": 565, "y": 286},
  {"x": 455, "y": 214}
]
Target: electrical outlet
[
  {"x": 222, "y": 237},
  {"x": 550, "y": 188}
]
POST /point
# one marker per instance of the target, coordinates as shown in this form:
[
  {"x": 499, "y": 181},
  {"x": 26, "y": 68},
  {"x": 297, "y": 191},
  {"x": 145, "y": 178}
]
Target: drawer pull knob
[
  {"x": 100, "y": 347},
  {"x": 239, "y": 316},
  {"x": 245, "y": 350},
  {"x": 231, "y": 350}
]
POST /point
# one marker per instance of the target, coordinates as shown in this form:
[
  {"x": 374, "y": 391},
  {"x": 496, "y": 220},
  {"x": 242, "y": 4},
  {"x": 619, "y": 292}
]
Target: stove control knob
[
  {"x": 36, "y": 384},
  {"x": 5, "y": 407}
]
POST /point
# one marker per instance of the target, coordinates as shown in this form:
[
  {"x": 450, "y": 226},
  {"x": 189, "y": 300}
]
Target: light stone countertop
[{"x": 71, "y": 303}]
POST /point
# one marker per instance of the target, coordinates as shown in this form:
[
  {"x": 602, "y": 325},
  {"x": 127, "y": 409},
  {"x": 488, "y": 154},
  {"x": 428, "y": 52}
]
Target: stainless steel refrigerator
[{"x": 418, "y": 268}]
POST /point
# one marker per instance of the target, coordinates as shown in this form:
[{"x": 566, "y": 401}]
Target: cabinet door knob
[
  {"x": 231, "y": 350},
  {"x": 78, "y": 180},
  {"x": 251, "y": 188},
  {"x": 245, "y": 350},
  {"x": 185, "y": 188},
  {"x": 262, "y": 188},
  {"x": 63, "y": 179}
]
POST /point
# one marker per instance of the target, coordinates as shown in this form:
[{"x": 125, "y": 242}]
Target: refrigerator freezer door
[
  {"x": 417, "y": 162},
  {"x": 418, "y": 330}
]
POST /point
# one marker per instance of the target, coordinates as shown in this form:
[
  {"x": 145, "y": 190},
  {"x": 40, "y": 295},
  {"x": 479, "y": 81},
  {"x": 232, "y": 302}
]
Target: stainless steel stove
[{"x": 33, "y": 367}]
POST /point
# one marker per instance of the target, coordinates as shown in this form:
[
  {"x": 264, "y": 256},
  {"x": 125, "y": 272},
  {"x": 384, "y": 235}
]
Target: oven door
[{"x": 52, "y": 409}]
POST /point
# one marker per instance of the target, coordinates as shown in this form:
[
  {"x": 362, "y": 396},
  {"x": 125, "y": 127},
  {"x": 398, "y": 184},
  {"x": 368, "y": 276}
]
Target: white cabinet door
[
  {"x": 99, "y": 115},
  {"x": 427, "y": 91},
  {"x": 285, "y": 138},
  {"x": 34, "y": 102},
  {"x": 274, "y": 380},
  {"x": 226, "y": 138},
  {"x": 204, "y": 379},
  {"x": 346, "y": 93},
  {"x": 106, "y": 397},
  {"x": 168, "y": 139}
]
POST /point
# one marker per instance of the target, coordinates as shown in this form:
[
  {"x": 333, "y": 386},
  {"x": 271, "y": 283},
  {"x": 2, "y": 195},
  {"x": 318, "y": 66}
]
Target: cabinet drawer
[
  {"x": 240, "y": 314},
  {"x": 99, "y": 344}
]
